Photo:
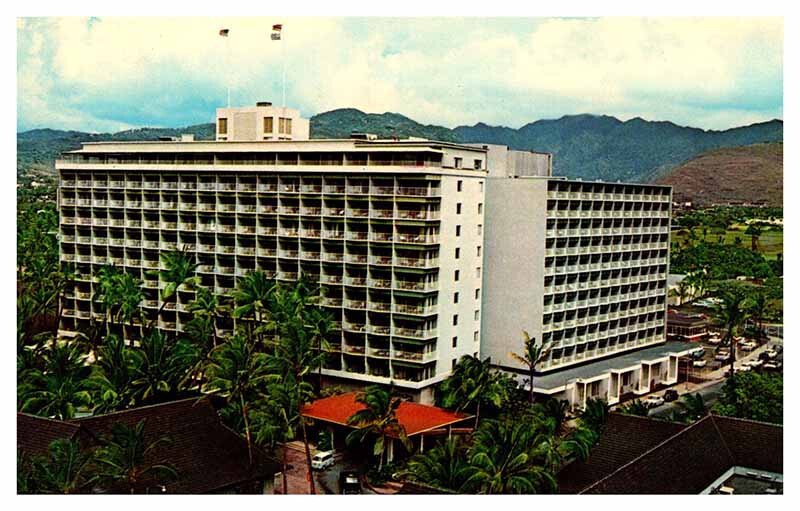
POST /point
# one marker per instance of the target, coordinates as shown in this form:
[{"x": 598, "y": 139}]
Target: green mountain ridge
[{"x": 585, "y": 146}]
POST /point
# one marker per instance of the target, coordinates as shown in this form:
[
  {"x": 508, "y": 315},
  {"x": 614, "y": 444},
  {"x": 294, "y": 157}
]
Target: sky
[{"x": 110, "y": 74}]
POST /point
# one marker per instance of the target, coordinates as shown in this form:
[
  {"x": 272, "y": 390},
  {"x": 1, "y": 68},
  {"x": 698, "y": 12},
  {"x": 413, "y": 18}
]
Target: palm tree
[
  {"x": 253, "y": 296},
  {"x": 445, "y": 466},
  {"x": 65, "y": 469},
  {"x": 556, "y": 413},
  {"x": 759, "y": 307},
  {"x": 693, "y": 407},
  {"x": 378, "y": 419},
  {"x": 531, "y": 357},
  {"x": 112, "y": 375},
  {"x": 206, "y": 306},
  {"x": 471, "y": 385},
  {"x": 275, "y": 418},
  {"x": 159, "y": 366},
  {"x": 130, "y": 295},
  {"x": 754, "y": 230},
  {"x": 594, "y": 415},
  {"x": 635, "y": 407},
  {"x": 235, "y": 372},
  {"x": 179, "y": 272},
  {"x": 126, "y": 458},
  {"x": 59, "y": 388},
  {"x": 503, "y": 459},
  {"x": 106, "y": 293},
  {"x": 731, "y": 313},
  {"x": 683, "y": 291}
]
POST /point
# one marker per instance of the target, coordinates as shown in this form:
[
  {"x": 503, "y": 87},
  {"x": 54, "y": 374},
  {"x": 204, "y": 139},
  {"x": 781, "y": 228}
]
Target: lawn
[{"x": 770, "y": 242}]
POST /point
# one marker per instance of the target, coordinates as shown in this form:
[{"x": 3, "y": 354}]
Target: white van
[{"x": 322, "y": 460}]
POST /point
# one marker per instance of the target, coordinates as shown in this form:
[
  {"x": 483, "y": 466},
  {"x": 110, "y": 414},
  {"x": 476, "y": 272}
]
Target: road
[{"x": 710, "y": 395}]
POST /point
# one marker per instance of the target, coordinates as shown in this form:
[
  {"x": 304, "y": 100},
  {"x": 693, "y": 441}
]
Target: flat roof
[
  {"x": 600, "y": 367},
  {"x": 414, "y": 417},
  {"x": 314, "y": 144}
]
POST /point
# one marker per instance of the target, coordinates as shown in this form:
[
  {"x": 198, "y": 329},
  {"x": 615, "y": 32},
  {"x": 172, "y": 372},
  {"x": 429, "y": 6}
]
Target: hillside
[
  {"x": 584, "y": 146},
  {"x": 750, "y": 173}
]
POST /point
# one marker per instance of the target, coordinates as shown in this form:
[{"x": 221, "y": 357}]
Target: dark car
[
  {"x": 698, "y": 354},
  {"x": 670, "y": 395},
  {"x": 349, "y": 482}
]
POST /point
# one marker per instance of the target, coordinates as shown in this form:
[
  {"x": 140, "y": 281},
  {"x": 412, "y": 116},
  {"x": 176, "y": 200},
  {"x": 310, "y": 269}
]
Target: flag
[
  {"x": 276, "y": 32},
  {"x": 224, "y": 32}
]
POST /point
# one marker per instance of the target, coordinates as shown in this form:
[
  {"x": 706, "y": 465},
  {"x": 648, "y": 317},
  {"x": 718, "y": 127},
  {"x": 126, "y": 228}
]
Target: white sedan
[{"x": 653, "y": 401}]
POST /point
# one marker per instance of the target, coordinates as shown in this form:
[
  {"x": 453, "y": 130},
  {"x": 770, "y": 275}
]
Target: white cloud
[{"x": 443, "y": 71}]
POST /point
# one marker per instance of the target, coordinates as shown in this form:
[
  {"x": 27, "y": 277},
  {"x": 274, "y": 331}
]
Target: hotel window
[
  {"x": 458, "y": 252},
  {"x": 480, "y": 187},
  {"x": 459, "y": 185},
  {"x": 268, "y": 127},
  {"x": 478, "y": 165},
  {"x": 288, "y": 126},
  {"x": 455, "y": 319},
  {"x": 458, "y": 230},
  {"x": 457, "y": 162},
  {"x": 223, "y": 126},
  {"x": 480, "y": 208},
  {"x": 453, "y": 364},
  {"x": 480, "y": 229},
  {"x": 455, "y": 297},
  {"x": 478, "y": 272},
  {"x": 477, "y": 315},
  {"x": 284, "y": 125},
  {"x": 455, "y": 341},
  {"x": 458, "y": 208},
  {"x": 477, "y": 294},
  {"x": 475, "y": 336},
  {"x": 456, "y": 275},
  {"x": 478, "y": 251}
]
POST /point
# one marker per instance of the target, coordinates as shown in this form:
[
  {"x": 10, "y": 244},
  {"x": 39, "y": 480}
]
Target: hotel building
[{"x": 426, "y": 251}]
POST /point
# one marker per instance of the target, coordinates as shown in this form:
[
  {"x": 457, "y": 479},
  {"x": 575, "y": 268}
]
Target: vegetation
[
  {"x": 473, "y": 385},
  {"x": 377, "y": 422},
  {"x": 753, "y": 395},
  {"x": 531, "y": 357},
  {"x": 635, "y": 407}
]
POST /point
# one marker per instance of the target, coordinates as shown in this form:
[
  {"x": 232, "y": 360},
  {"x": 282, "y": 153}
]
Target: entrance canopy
[{"x": 414, "y": 417}]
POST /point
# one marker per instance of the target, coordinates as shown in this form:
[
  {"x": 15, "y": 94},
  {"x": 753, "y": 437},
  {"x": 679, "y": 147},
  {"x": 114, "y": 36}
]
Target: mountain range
[{"x": 591, "y": 147}]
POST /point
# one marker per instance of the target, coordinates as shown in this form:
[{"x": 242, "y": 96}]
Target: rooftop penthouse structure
[{"x": 425, "y": 251}]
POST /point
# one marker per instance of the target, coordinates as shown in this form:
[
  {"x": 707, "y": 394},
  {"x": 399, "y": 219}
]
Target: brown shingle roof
[
  {"x": 624, "y": 438},
  {"x": 207, "y": 455},
  {"x": 689, "y": 461},
  {"x": 34, "y": 434}
]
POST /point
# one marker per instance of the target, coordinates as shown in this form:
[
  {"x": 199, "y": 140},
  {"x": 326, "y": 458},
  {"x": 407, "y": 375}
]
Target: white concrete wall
[
  {"x": 514, "y": 266},
  {"x": 247, "y": 123}
]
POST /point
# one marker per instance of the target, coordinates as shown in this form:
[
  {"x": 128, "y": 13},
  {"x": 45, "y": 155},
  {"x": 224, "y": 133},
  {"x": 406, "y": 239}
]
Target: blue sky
[{"x": 107, "y": 74}]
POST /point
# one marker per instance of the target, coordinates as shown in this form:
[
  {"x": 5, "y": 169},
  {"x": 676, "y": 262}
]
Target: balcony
[
  {"x": 266, "y": 252},
  {"x": 356, "y": 258},
  {"x": 358, "y": 213},
  {"x": 380, "y": 283},
  {"x": 310, "y": 233},
  {"x": 331, "y": 302},
  {"x": 419, "y": 310},
  {"x": 413, "y": 262},
  {"x": 414, "y": 356},
  {"x": 417, "y": 192},
  {"x": 355, "y": 304},
  {"x": 382, "y": 213},
  {"x": 334, "y": 212},
  {"x": 417, "y": 238},
  {"x": 380, "y": 306},
  {"x": 416, "y": 333},
  {"x": 357, "y": 235},
  {"x": 355, "y": 350},
  {"x": 354, "y": 327},
  {"x": 409, "y": 285},
  {"x": 267, "y": 231},
  {"x": 381, "y": 236},
  {"x": 333, "y": 235},
  {"x": 380, "y": 329},
  {"x": 333, "y": 257}
]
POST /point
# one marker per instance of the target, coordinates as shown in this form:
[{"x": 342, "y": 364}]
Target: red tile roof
[{"x": 416, "y": 418}]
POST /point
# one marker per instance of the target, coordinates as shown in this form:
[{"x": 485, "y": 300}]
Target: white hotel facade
[{"x": 426, "y": 251}]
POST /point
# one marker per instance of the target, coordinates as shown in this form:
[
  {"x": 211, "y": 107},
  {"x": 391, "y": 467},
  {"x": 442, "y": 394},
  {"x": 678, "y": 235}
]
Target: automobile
[
  {"x": 748, "y": 346},
  {"x": 653, "y": 401},
  {"x": 670, "y": 395},
  {"x": 699, "y": 363},
  {"x": 772, "y": 366},
  {"x": 722, "y": 356},
  {"x": 765, "y": 356},
  {"x": 322, "y": 460},
  {"x": 714, "y": 340},
  {"x": 698, "y": 353},
  {"x": 349, "y": 482},
  {"x": 770, "y": 353}
]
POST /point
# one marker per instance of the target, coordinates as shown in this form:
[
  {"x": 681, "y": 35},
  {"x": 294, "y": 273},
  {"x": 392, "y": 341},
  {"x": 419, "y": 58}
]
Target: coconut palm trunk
[{"x": 311, "y": 486}]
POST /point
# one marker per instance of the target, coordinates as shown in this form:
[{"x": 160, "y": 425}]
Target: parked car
[
  {"x": 670, "y": 395},
  {"x": 714, "y": 340},
  {"x": 722, "y": 356},
  {"x": 698, "y": 353},
  {"x": 772, "y": 366},
  {"x": 322, "y": 460},
  {"x": 699, "y": 363},
  {"x": 349, "y": 482},
  {"x": 748, "y": 346},
  {"x": 653, "y": 401},
  {"x": 770, "y": 353}
]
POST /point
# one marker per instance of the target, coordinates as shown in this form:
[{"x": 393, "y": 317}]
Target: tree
[
  {"x": 112, "y": 375},
  {"x": 758, "y": 309},
  {"x": 65, "y": 469},
  {"x": 503, "y": 460},
  {"x": 179, "y": 272},
  {"x": 754, "y": 230},
  {"x": 445, "y": 466},
  {"x": 159, "y": 367},
  {"x": 594, "y": 415},
  {"x": 275, "y": 418},
  {"x": 692, "y": 407},
  {"x": 731, "y": 313},
  {"x": 126, "y": 458},
  {"x": 532, "y": 355},
  {"x": 60, "y": 388},
  {"x": 471, "y": 385},
  {"x": 682, "y": 291},
  {"x": 236, "y": 371},
  {"x": 253, "y": 296},
  {"x": 298, "y": 346},
  {"x": 378, "y": 419},
  {"x": 635, "y": 407},
  {"x": 754, "y": 396}
]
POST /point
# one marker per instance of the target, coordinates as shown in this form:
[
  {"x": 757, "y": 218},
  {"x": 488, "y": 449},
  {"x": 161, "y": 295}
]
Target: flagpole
[
  {"x": 283, "y": 64},
  {"x": 228, "y": 65}
]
